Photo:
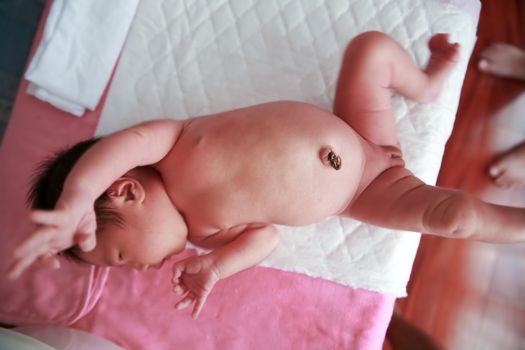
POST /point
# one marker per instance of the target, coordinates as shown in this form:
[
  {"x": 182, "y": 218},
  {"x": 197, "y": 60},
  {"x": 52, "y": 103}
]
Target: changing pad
[{"x": 195, "y": 57}]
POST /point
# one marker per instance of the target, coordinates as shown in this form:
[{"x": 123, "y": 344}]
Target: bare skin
[
  {"x": 503, "y": 60},
  {"x": 509, "y": 169},
  {"x": 507, "y": 61},
  {"x": 222, "y": 181}
]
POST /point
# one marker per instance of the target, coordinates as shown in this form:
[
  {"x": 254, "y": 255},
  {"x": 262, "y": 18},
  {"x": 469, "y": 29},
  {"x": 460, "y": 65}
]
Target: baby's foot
[
  {"x": 509, "y": 170},
  {"x": 444, "y": 57},
  {"x": 503, "y": 60}
]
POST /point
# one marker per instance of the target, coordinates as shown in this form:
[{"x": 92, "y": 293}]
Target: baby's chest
[{"x": 220, "y": 212}]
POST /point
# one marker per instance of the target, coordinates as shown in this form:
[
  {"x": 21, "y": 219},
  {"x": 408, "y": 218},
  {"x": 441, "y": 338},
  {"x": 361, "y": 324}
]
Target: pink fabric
[{"x": 260, "y": 308}]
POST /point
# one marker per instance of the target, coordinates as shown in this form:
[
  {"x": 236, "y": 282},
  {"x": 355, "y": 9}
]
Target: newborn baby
[{"x": 221, "y": 181}]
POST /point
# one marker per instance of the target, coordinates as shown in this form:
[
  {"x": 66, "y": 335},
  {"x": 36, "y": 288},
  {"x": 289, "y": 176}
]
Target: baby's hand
[
  {"x": 56, "y": 230},
  {"x": 194, "y": 278}
]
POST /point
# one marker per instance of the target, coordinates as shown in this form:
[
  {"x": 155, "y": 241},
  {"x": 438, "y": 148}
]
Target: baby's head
[{"x": 137, "y": 223}]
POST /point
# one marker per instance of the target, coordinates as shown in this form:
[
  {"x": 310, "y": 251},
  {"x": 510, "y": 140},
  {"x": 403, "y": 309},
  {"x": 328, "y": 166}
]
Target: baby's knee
[
  {"x": 454, "y": 217},
  {"x": 368, "y": 43},
  {"x": 372, "y": 37}
]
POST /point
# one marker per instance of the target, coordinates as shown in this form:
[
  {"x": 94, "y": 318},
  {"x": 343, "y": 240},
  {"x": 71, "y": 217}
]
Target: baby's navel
[{"x": 330, "y": 158}]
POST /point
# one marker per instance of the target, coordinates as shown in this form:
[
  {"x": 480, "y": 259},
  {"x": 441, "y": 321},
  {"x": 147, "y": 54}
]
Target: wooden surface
[{"x": 472, "y": 295}]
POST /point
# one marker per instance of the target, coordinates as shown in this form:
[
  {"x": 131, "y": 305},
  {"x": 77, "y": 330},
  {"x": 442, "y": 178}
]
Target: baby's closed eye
[{"x": 116, "y": 259}]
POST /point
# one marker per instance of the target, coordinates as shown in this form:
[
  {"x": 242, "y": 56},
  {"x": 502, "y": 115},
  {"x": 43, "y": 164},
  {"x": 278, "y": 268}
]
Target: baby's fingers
[
  {"x": 18, "y": 267},
  {"x": 179, "y": 289},
  {"x": 86, "y": 241},
  {"x": 45, "y": 217},
  {"x": 22, "y": 263},
  {"x": 38, "y": 240},
  {"x": 199, "y": 303},
  {"x": 185, "y": 302},
  {"x": 178, "y": 269},
  {"x": 50, "y": 260}
]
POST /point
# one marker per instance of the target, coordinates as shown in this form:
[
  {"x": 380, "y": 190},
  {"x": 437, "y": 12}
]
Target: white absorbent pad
[
  {"x": 78, "y": 51},
  {"x": 191, "y": 57}
]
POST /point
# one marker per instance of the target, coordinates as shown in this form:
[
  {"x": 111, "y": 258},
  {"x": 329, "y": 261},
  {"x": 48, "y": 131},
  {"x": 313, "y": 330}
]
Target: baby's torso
[{"x": 262, "y": 164}]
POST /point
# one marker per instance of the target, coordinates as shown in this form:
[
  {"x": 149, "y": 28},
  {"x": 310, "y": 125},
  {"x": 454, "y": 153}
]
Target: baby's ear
[{"x": 126, "y": 190}]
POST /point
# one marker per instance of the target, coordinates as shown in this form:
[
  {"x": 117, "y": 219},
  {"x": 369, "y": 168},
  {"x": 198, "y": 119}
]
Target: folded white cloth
[{"x": 81, "y": 43}]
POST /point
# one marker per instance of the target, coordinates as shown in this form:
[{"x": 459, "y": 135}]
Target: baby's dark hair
[{"x": 48, "y": 182}]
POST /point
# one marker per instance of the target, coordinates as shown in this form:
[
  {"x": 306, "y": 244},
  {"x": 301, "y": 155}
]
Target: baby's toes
[{"x": 438, "y": 42}]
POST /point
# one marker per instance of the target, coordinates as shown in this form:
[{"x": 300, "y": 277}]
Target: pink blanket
[{"x": 257, "y": 309}]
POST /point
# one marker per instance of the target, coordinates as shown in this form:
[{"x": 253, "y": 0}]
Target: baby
[{"x": 221, "y": 181}]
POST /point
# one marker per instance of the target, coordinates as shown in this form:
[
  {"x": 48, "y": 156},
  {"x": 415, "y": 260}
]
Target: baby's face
[
  {"x": 137, "y": 244},
  {"x": 152, "y": 231}
]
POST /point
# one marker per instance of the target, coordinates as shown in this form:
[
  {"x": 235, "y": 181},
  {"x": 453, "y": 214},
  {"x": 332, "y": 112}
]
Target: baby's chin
[{"x": 165, "y": 259}]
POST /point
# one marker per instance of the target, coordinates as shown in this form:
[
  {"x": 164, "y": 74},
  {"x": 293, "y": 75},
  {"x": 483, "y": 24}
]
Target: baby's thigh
[
  {"x": 363, "y": 95},
  {"x": 394, "y": 199}
]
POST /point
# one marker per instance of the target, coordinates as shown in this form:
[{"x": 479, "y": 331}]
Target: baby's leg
[
  {"x": 374, "y": 64},
  {"x": 399, "y": 200}
]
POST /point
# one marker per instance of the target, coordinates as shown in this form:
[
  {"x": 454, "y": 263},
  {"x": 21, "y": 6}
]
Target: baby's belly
[{"x": 264, "y": 164}]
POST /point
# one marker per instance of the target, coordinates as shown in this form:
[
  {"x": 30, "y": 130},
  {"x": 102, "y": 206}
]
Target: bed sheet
[{"x": 258, "y": 308}]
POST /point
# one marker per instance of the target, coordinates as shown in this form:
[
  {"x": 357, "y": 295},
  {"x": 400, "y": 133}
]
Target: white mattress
[{"x": 195, "y": 57}]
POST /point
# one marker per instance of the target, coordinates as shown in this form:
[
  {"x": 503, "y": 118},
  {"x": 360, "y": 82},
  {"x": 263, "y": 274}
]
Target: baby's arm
[
  {"x": 95, "y": 171},
  {"x": 116, "y": 154},
  {"x": 196, "y": 276}
]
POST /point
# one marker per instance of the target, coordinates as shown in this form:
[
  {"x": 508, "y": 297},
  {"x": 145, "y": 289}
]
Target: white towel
[{"x": 79, "y": 48}]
